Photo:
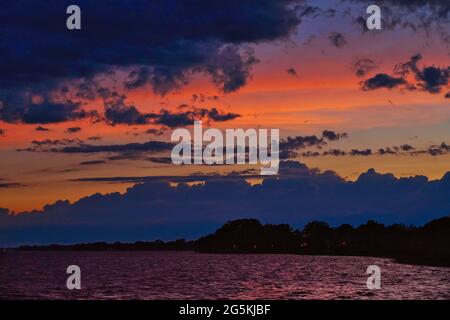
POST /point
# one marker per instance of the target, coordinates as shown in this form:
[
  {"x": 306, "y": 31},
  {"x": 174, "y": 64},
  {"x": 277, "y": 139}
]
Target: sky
[{"x": 89, "y": 113}]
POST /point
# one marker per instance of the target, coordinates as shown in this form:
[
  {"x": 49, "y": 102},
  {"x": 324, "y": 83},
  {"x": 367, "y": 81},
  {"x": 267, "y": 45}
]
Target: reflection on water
[{"x": 187, "y": 275}]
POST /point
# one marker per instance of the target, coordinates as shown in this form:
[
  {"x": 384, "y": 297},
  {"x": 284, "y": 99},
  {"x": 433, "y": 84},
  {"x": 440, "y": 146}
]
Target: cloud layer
[{"x": 155, "y": 209}]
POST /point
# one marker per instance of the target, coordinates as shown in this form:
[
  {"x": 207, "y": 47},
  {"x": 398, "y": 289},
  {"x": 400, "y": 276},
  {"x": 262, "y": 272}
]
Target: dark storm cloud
[
  {"x": 230, "y": 69},
  {"x": 155, "y": 209},
  {"x": 161, "y": 43},
  {"x": 42, "y": 113},
  {"x": 337, "y": 39},
  {"x": 382, "y": 80}
]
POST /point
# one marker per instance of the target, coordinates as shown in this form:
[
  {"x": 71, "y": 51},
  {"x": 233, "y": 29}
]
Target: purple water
[{"x": 187, "y": 275}]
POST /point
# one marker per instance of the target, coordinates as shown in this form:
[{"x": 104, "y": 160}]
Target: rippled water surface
[{"x": 186, "y": 275}]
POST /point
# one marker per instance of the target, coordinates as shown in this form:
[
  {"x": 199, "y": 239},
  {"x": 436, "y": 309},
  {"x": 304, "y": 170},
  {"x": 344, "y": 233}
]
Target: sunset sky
[{"x": 124, "y": 79}]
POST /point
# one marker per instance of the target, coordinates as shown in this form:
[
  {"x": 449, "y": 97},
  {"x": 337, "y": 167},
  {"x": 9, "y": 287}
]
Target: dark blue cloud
[
  {"x": 155, "y": 209},
  {"x": 382, "y": 80},
  {"x": 160, "y": 43},
  {"x": 73, "y": 129}
]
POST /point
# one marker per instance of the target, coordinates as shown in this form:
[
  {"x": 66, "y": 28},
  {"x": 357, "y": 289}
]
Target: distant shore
[{"x": 426, "y": 245}]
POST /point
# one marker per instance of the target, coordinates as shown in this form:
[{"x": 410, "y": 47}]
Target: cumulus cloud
[{"x": 155, "y": 208}]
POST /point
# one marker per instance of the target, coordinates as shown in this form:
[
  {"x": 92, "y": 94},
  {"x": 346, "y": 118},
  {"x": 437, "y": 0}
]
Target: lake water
[{"x": 187, "y": 275}]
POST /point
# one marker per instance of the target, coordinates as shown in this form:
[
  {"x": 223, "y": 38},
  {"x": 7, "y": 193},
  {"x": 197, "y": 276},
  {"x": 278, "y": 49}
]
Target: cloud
[
  {"x": 382, "y": 80},
  {"x": 356, "y": 152},
  {"x": 14, "y": 111},
  {"x": 150, "y": 146},
  {"x": 161, "y": 160},
  {"x": 404, "y": 149},
  {"x": 40, "y": 128},
  {"x": 447, "y": 95},
  {"x": 291, "y": 71},
  {"x": 413, "y": 14},
  {"x": 2, "y": 132},
  {"x": 118, "y": 112},
  {"x": 333, "y": 136},
  {"x": 337, "y": 39},
  {"x": 73, "y": 129},
  {"x": 410, "y": 76},
  {"x": 363, "y": 66},
  {"x": 290, "y": 144},
  {"x": 92, "y": 162},
  {"x": 186, "y": 118},
  {"x": 429, "y": 78},
  {"x": 48, "y": 145},
  {"x": 6, "y": 185},
  {"x": 156, "y": 42},
  {"x": 155, "y": 132},
  {"x": 441, "y": 149},
  {"x": 156, "y": 209}
]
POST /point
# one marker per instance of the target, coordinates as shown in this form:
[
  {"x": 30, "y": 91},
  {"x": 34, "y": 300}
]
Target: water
[{"x": 187, "y": 275}]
